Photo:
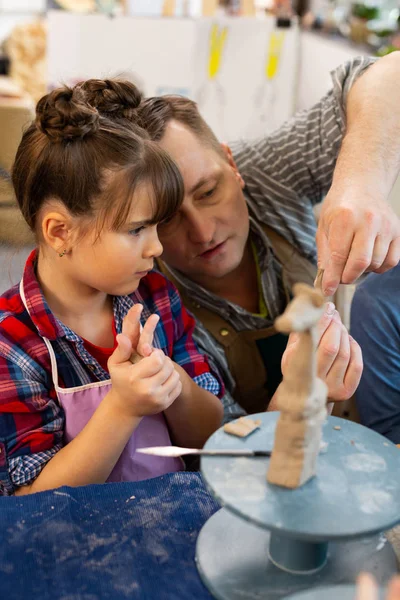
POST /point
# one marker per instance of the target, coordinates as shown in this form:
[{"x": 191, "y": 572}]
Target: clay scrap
[
  {"x": 242, "y": 427},
  {"x": 318, "y": 279},
  {"x": 301, "y": 396}
]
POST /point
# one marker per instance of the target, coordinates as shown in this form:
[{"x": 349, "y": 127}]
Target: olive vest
[{"x": 254, "y": 356}]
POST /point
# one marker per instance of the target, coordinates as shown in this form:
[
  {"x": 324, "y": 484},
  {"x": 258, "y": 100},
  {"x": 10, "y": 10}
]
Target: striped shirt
[
  {"x": 31, "y": 419},
  {"x": 286, "y": 174}
]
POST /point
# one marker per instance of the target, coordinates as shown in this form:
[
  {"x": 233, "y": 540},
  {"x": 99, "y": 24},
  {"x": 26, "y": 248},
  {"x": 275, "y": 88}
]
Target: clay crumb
[
  {"x": 337, "y": 427},
  {"x": 242, "y": 427}
]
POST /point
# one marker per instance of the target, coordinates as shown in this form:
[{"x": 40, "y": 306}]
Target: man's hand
[
  {"x": 356, "y": 233},
  {"x": 339, "y": 358},
  {"x": 367, "y": 588},
  {"x": 358, "y": 230}
]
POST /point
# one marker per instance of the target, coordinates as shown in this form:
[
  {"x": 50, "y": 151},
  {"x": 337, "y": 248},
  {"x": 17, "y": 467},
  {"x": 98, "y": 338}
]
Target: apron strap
[{"x": 53, "y": 360}]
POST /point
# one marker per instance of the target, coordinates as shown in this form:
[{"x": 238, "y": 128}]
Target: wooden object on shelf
[
  {"x": 16, "y": 112},
  {"x": 168, "y": 8},
  {"x": 247, "y": 8},
  {"x": 26, "y": 48},
  {"x": 208, "y": 8}
]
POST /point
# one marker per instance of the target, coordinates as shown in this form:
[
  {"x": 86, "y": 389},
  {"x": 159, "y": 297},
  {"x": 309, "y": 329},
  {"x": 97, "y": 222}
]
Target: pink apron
[{"x": 79, "y": 404}]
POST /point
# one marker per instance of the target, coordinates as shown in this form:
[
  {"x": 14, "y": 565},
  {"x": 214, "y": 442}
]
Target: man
[{"x": 246, "y": 230}]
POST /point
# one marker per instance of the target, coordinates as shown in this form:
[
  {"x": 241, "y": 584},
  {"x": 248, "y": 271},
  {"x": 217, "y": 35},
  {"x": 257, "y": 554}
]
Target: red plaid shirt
[{"x": 31, "y": 419}]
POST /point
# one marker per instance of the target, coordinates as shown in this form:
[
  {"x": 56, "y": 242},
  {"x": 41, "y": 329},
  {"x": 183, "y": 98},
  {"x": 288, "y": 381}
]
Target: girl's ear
[
  {"x": 228, "y": 153},
  {"x": 57, "y": 229}
]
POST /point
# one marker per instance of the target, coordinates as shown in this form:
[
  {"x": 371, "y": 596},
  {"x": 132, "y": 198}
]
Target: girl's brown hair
[
  {"x": 118, "y": 99},
  {"x": 69, "y": 152}
]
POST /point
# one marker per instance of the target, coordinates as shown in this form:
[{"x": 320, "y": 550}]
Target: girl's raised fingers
[{"x": 145, "y": 344}]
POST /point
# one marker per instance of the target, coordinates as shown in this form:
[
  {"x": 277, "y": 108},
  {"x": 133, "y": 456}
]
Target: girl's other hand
[
  {"x": 145, "y": 388},
  {"x": 141, "y": 337}
]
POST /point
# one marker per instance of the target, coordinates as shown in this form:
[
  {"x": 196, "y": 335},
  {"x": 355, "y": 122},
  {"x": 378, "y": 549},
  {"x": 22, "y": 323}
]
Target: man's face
[{"x": 207, "y": 237}]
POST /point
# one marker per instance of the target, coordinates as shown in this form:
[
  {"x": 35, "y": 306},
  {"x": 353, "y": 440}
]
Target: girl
[{"x": 82, "y": 384}]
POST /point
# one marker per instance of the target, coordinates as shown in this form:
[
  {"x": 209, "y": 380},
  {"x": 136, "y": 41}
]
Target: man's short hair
[{"x": 155, "y": 114}]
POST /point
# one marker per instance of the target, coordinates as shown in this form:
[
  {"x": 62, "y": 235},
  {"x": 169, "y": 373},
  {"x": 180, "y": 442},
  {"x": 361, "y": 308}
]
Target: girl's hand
[
  {"x": 145, "y": 388},
  {"x": 152, "y": 384},
  {"x": 141, "y": 338}
]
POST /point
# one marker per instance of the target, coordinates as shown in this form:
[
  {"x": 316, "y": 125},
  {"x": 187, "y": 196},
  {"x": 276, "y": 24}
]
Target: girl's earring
[{"x": 63, "y": 253}]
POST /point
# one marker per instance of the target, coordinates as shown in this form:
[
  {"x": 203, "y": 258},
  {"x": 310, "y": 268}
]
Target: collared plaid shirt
[{"x": 31, "y": 419}]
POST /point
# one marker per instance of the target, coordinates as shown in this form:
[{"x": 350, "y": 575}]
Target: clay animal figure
[{"x": 301, "y": 396}]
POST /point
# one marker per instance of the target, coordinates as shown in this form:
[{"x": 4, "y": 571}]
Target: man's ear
[{"x": 228, "y": 153}]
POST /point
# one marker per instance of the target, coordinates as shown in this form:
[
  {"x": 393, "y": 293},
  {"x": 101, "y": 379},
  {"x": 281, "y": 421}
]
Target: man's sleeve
[
  {"x": 375, "y": 324},
  {"x": 295, "y": 164}
]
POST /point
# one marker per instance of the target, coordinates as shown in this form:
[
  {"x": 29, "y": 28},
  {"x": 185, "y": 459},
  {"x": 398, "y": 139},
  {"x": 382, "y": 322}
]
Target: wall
[{"x": 242, "y": 72}]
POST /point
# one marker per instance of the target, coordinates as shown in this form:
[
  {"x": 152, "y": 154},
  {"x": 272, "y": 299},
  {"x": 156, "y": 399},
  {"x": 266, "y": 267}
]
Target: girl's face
[{"x": 115, "y": 261}]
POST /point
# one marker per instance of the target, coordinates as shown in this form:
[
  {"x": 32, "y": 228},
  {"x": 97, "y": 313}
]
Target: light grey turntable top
[{"x": 356, "y": 491}]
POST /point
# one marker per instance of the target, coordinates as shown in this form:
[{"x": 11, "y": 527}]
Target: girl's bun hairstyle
[
  {"x": 113, "y": 98},
  {"x": 72, "y": 153},
  {"x": 64, "y": 115}
]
